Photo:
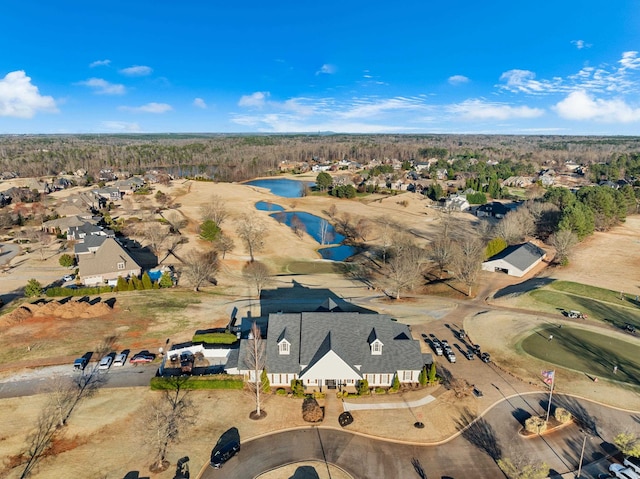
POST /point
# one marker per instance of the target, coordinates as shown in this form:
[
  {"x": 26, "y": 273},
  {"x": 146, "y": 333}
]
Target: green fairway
[
  {"x": 601, "y": 308},
  {"x": 592, "y": 353}
]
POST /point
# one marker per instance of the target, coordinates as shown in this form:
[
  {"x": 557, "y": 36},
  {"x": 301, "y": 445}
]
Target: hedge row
[
  {"x": 60, "y": 291},
  {"x": 214, "y": 381},
  {"x": 215, "y": 338}
]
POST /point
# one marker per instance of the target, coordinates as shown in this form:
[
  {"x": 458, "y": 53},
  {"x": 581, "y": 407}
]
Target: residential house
[
  {"x": 518, "y": 181},
  {"x": 321, "y": 167},
  {"x": 130, "y": 185},
  {"x": 494, "y": 209},
  {"x": 42, "y": 187},
  {"x": 332, "y": 349},
  {"x": 89, "y": 244},
  {"x": 106, "y": 264},
  {"x": 441, "y": 174},
  {"x": 60, "y": 225},
  {"x": 515, "y": 260},
  {"x": 108, "y": 193},
  {"x": 456, "y": 203},
  {"x": 80, "y": 232}
]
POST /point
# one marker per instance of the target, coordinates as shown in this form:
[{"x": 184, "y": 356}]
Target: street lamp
[{"x": 584, "y": 443}]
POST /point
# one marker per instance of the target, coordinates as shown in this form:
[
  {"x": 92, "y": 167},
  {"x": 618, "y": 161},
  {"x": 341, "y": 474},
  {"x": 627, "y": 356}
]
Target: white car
[
  {"x": 105, "y": 363},
  {"x": 633, "y": 463},
  {"x": 120, "y": 359},
  {"x": 68, "y": 277},
  {"x": 619, "y": 471}
]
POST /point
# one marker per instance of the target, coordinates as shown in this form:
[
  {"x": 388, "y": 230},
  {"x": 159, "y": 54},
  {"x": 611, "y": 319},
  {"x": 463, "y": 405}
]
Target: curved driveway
[{"x": 468, "y": 455}]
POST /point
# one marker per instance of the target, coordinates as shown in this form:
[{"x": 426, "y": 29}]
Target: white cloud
[
  {"x": 580, "y": 105},
  {"x": 458, "y": 79},
  {"x": 148, "y": 108},
  {"x": 523, "y": 81},
  {"x": 630, "y": 60},
  {"x": 580, "y": 44},
  {"x": 121, "y": 126},
  {"x": 481, "y": 110},
  {"x": 20, "y": 98},
  {"x": 100, "y": 63},
  {"x": 199, "y": 103},
  {"x": 103, "y": 87},
  {"x": 137, "y": 71},
  {"x": 367, "y": 108},
  {"x": 327, "y": 69},
  {"x": 255, "y": 100}
]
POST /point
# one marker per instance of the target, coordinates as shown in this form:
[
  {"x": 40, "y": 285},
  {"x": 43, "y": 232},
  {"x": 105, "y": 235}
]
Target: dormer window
[
  {"x": 284, "y": 347},
  {"x": 376, "y": 347}
]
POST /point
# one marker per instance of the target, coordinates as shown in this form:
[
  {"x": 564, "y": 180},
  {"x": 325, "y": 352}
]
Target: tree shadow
[
  {"x": 583, "y": 418},
  {"x": 522, "y": 288},
  {"x": 134, "y": 475},
  {"x": 520, "y": 415},
  {"x": 418, "y": 468},
  {"x": 479, "y": 433},
  {"x": 305, "y": 472}
]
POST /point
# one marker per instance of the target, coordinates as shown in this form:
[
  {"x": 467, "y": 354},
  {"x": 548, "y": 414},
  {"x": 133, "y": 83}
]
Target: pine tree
[
  {"x": 432, "y": 373},
  {"x": 146, "y": 281}
]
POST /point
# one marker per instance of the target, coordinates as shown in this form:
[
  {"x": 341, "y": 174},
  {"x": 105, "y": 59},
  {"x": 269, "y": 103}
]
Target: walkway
[{"x": 349, "y": 406}]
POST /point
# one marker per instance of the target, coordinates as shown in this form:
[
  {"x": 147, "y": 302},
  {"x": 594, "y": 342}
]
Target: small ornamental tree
[
  {"x": 146, "y": 281},
  {"x": 395, "y": 386},
  {"x": 495, "y": 246},
  {"x": 67, "y": 261},
  {"x": 165, "y": 280},
  {"x": 33, "y": 288},
  {"x": 422, "y": 378},
  {"x": 628, "y": 443},
  {"x": 209, "y": 231},
  {"x": 562, "y": 415},
  {"x": 363, "y": 387},
  {"x": 264, "y": 382},
  {"x": 432, "y": 373},
  {"x": 122, "y": 284}
]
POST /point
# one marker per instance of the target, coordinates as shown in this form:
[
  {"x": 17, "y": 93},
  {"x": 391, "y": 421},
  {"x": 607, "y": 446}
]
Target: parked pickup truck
[
  {"x": 80, "y": 363},
  {"x": 186, "y": 362}
]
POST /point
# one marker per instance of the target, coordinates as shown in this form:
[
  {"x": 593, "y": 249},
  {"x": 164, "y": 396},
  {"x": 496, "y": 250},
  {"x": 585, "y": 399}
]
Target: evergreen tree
[
  {"x": 165, "y": 280},
  {"x": 209, "y": 231},
  {"x": 264, "y": 382},
  {"x": 432, "y": 373},
  {"x": 146, "y": 281},
  {"x": 324, "y": 181},
  {"x": 33, "y": 288},
  {"x": 422, "y": 378},
  {"x": 122, "y": 284}
]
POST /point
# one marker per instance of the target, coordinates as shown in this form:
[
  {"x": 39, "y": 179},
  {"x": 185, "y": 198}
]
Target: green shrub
[
  {"x": 363, "y": 387},
  {"x": 281, "y": 392},
  {"x": 67, "y": 261},
  {"x": 33, "y": 288},
  {"x": 562, "y": 415},
  {"x": 216, "y": 381},
  {"x": 53, "y": 292},
  {"x": 264, "y": 382},
  {"x": 318, "y": 395},
  {"x": 432, "y": 376},
  {"x": 395, "y": 386},
  {"x": 381, "y": 391},
  {"x": 535, "y": 425},
  {"x": 494, "y": 247},
  {"x": 477, "y": 198},
  {"x": 146, "y": 281},
  {"x": 165, "y": 280},
  {"x": 215, "y": 338},
  {"x": 297, "y": 387},
  {"x": 422, "y": 378}
]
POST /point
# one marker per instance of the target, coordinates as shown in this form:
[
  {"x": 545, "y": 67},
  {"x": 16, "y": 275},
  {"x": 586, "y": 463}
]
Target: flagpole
[{"x": 553, "y": 381}]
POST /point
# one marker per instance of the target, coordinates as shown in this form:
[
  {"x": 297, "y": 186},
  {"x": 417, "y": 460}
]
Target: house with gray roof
[
  {"x": 515, "y": 260},
  {"x": 329, "y": 349},
  {"x": 108, "y": 262}
]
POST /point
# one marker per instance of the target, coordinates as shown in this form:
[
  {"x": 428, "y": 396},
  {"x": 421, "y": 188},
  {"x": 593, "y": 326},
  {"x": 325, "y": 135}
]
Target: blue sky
[{"x": 567, "y": 67}]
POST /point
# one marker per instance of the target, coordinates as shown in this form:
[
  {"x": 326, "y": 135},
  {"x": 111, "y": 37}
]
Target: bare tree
[
  {"x": 440, "y": 252},
  {"x": 167, "y": 418},
  {"x": 155, "y": 234},
  {"x": 200, "y": 267},
  {"x": 516, "y": 226},
  {"x": 467, "y": 261},
  {"x": 176, "y": 221},
  {"x": 62, "y": 398},
  {"x": 387, "y": 228},
  {"x": 563, "y": 241},
  {"x": 257, "y": 274},
  {"x": 255, "y": 361},
  {"x": 215, "y": 210},
  {"x": 326, "y": 236},
  {"x": 405, "y": 265},
  {"x": 251, "y": 229},
  {"x": 298, "y": 226},
  {"x": 223, "y": 244}
]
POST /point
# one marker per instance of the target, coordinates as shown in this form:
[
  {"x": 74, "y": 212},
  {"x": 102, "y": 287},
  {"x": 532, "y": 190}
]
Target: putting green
[{"x": 581, "y": 350}]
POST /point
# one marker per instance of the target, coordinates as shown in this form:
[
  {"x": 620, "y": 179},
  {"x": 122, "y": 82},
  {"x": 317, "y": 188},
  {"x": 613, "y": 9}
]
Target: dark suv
[{"x": 223, "y": 453}]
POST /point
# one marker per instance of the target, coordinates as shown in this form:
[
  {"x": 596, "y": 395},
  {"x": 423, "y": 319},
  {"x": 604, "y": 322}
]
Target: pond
[
  {"x": 282, "y": 186},
  {"x": 319, "y": 229},
  {"x": 338, "y": 253},
  {"x": 268, "y": 206}
]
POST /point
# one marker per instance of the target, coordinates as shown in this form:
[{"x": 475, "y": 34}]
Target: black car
[
  {"x": 485, "y": 357},
  {"x": 469, "y": 355},
  {"x": 222, "y": 454}
]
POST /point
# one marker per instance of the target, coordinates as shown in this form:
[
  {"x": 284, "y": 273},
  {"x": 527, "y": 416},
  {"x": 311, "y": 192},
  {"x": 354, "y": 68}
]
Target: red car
[{"x": 142, "y": 357}]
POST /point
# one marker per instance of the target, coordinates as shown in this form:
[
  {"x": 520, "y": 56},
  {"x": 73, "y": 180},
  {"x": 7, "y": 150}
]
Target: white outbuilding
[{"x": 515, "y": 260}]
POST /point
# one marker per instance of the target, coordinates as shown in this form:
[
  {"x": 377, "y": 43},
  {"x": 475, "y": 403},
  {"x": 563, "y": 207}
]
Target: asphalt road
[
  {"x": 35, "y": 382},
  {"x": 469, "y": 455}
]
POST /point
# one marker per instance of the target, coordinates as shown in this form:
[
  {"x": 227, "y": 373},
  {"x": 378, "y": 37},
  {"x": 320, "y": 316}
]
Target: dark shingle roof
[{"x": 521, "y": 256}]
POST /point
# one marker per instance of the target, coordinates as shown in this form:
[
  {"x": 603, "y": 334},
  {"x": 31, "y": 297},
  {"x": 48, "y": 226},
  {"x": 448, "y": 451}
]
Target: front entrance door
[{"x": 330, "y": 383}]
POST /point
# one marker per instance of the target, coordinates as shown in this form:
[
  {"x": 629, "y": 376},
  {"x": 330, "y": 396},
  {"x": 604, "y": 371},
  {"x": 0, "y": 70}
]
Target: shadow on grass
[{"x": 522, "y": 288}]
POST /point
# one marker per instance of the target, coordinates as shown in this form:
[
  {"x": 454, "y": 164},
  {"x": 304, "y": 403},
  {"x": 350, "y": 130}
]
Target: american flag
[{"x": 548, "y": 376}]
